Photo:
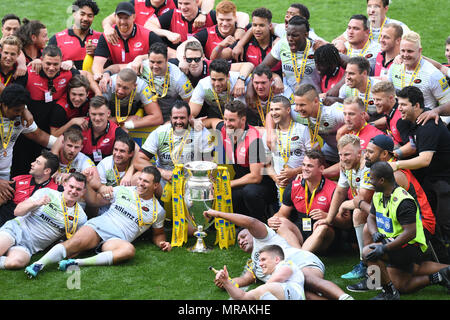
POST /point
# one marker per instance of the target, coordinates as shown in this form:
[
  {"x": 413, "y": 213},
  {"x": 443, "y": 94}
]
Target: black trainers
[
  {"x": 362, "y": 286},
  {"x": 395, "y": 295},
  {"x": 445, "y": 274}
]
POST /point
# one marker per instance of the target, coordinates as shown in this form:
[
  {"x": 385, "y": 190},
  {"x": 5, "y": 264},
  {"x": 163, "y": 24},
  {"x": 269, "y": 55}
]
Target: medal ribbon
[
  {"x": 285, "y": 152},
  {"x": 363, "y": 51},
  {"x": 309, "y": 205},
  {"x": 216, "y": 97},
  {"x": 300, "y": 73},
  {"x": 414, "y": 75},
  {"x": 359, "y": 131},
  {"x": 366, "y": 93},
  {"x": 352, "y": 187},
  {"x": 381, "y": 29},
  {"x": 262, "y": 114},
  {"x": 180, "y": 149},
  {"x": 5, "y": 141},
  {"x": 7, "y": 80},
  {"x": 119, "y": 118},
  {"x": 139, "y": 210},
  {"x": 166, "y": 84},
  {"x": 314, "y": 136},
  {"x": 70, "y": 233}
]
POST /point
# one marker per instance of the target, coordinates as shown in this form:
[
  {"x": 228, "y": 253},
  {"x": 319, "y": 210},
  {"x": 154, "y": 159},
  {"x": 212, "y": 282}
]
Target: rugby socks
[
  {"x": 102, "y": 259},
  {"x": 346, "y": 297},
  {"x": 54, "y": 255},
  {"x": 359, "y": 236},
  {"x": 2, "y": 262}
]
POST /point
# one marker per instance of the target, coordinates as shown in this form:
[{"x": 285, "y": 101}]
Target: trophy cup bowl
[{"x": 199, "y": 197}]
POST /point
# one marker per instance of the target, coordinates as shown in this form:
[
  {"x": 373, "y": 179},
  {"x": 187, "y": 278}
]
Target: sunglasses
[{"x": 197, "y": 60}]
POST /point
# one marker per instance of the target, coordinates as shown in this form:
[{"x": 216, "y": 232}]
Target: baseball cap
[
  {"x": 125, "y": 7},
  {"x": 384, "y": 142}
]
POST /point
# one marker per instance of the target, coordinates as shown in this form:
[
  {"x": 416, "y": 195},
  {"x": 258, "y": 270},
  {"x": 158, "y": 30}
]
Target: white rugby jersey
[
  {"x": 78, "y": 164},
  {"x": 299, "y": 143},
  {"x": 370, "y": 52},
  {"x": 355, "y": 179},
  {"x": 331, "y": 119},
  {"x": 123, "y": 213},
  {"x": 45, "y": 225},
  {"x": 203, "y": 93},
  {"x": 302, "y": 256},
  {"x": 282, "y": 52},
  {"x": 429, "y": 80},
  {"x": 6, "y": 155},
  {"x": 345, "y": 91},
  {"x": 107, "y": 173},
  {"x": 179, "y": 87},
  {"x": 195, "y": 143}
]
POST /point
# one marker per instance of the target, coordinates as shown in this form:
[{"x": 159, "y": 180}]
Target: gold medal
[
  {"x": 7, "y": 139},
  {"x": 300, "y": 73},
  {"x": 216, "y": 98},
  {"x": 151, "y": 84},
  {"x": 119, "y": 118},
  {"x": 67, "y": 218}
]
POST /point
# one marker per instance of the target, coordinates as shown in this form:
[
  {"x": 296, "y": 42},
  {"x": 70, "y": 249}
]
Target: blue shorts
[
  {"x": 104, "y": 228},
  {"x": 21, "y": 240}
]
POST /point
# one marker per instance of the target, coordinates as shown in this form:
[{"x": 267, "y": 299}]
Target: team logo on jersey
[
  {"x": 145, "y": 209},
  {"x": 106, "y": 140},
  {"x": 444, "y": 84},
  {"x": 417, "y": 81},
  {"x": 358, "y": 179},
  {"x": 371, "y": 102},
  {"x": 70, "y": 218},
  {"x": 138, "y": 44},
  {"x": 395, "y": 199},
  {"x": 95, "y": 41},
  {"x": 322, "y": 198},
  {"x": 326, "y": 124},
  {"x": 368, "y": 56},
  {"x": 367, "y": 177},
  {"x": 17, "y": 123},
  {"x": 298, "y": 152},
  {"x": 187, "y": 87},
  {"x": 72, "y": 170},
  {"x": 308, "y": 70},
  {"x": 311, "y": 56},
  {"x": 294, "y": 138},
  {"x": 62, "y": 82}
]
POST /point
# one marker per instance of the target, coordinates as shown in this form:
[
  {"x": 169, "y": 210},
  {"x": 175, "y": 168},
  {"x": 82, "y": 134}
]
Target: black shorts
[{"x": 405, "y": 258}]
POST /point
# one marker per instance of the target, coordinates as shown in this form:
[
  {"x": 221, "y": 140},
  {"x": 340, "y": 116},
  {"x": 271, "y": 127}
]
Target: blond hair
[
  {"x": 12, "y": 41},
  {"x": 349, "y": 139},
  {"x": 357, "y": 100},
  {"x": 384, "y": 86},
  {"x": 413, "y": 37}
]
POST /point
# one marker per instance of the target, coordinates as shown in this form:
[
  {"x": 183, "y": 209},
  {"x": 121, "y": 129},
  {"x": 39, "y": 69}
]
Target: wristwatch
[{"x": 242, "y": 78}]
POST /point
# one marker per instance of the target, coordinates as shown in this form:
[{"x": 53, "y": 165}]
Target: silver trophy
[{"x": 199, "y": 197}]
